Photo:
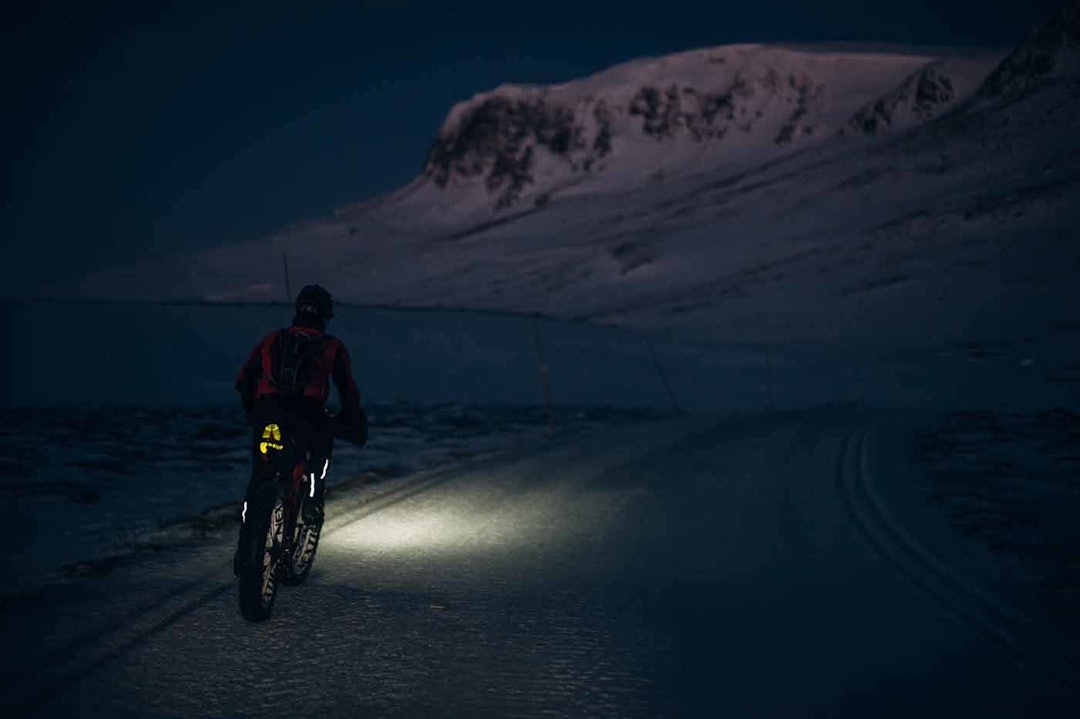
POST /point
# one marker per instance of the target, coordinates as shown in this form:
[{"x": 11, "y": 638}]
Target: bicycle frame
[
  {"x": 276, "y": 544},
  {"x": 281, "y": 461}
]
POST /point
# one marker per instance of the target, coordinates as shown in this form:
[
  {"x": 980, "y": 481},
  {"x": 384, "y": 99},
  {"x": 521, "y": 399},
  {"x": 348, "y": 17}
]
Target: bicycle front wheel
[{"x": 261, "y": 550}]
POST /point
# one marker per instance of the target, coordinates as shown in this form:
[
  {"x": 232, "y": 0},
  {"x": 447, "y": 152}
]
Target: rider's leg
[
  {"x": 319, "y": 464},
  {"x": 265, "y": 415}
]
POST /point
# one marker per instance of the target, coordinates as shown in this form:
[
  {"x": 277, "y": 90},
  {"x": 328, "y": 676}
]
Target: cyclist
[{"x": 286, "y": 380}]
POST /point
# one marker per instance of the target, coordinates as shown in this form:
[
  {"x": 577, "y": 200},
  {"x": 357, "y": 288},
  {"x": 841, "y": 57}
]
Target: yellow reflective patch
[
  {"x": 264, "y": 446},
  {"x": 272, "y": 431}
]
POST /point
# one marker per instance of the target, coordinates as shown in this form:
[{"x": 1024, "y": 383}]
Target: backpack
[{"x": 294, "y": 360}]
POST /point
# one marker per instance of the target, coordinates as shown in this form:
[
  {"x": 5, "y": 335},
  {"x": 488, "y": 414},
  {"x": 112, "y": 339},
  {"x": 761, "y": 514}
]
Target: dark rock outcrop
[
  {"x": 667, "y": 112},
  {"x": 498, "y": 139},
  {"x": 1037, "y": 57},
  {"x": 924, "y": 93},
  {"x": 806, "y": 95}
]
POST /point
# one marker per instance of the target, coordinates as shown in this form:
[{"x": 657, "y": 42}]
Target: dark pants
[{"x": 310, "y": 432}]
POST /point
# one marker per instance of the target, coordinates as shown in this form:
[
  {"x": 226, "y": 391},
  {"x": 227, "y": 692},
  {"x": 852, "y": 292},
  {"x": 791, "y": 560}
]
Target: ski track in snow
[
  {"x": 1036, "y": 647},
  {"x": 65, "y": 665}
]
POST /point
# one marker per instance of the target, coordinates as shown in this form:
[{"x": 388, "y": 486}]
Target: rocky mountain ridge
[{"x": 726, "y": 103}]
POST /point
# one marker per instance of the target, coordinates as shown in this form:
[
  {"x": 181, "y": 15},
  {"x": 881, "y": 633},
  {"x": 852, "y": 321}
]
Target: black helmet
[{"x": 315, "y": 301}]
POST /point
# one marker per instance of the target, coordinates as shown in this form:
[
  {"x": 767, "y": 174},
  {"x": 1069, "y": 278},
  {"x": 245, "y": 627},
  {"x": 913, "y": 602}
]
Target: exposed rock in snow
[
  {"x": 676, "y": 115},
  {"x": 1052, "y": 49},
  {"x": 921, "y": 96}
]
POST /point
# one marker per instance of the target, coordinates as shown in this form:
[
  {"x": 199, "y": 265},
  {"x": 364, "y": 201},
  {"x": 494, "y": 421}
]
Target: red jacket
[{"x": 254, "y": 379}]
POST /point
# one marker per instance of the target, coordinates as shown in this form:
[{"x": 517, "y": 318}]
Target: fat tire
[
  {"x": 257, "y": 541},
  {"x": 297, "y": 566}
]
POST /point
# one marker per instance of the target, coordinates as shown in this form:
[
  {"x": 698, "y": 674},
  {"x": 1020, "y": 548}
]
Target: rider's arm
[
  {"x": 248, "y": 378},
  {"x": 352, "y": 410}
]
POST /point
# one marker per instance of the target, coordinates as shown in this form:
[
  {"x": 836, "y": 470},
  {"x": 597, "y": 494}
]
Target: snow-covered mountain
[
  {"x": 659, "y": 118},
  {"x": 742, "y": 192}
]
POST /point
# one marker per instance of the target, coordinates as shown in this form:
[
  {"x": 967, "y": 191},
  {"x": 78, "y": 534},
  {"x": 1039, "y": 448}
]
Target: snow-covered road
[{"x": 772, "y": 566}]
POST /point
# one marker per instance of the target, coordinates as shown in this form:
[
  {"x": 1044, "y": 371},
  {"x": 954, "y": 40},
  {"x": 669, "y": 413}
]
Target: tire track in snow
[
  {"x": 1031, "y": 646},
  {"x": 76, "y": 660}
]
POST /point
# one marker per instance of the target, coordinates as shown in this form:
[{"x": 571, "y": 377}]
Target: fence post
[
  {"x": 663, "y": 376},
  {"x": 771, "y": 372},
  {"x": 860, "y": 383},
  {"x": 542, "y": 367},
  {"x": 288, "y": 287}
]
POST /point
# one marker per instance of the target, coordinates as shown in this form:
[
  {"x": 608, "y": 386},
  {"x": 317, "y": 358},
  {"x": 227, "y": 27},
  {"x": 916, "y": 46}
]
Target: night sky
[{"x": 130, "y": 130}]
